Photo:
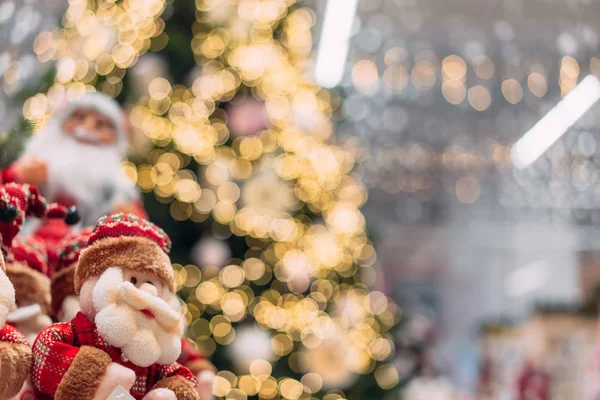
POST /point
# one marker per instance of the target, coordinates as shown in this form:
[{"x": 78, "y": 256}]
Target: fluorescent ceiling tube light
[
  {"x": 335, "y": 42},
  {"x": 554, "y": 124}
]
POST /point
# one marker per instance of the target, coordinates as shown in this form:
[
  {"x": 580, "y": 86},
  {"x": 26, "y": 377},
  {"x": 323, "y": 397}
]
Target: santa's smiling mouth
[{"x": 147, "y": 313}]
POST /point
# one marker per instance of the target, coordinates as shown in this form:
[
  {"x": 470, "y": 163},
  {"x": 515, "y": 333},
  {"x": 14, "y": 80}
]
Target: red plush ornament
[
  {"x": 30, "y": 252},
  {"x": 18, "y": 201}
]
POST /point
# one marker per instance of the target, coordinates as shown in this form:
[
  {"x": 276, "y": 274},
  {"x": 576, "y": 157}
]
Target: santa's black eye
[
  {"x": 150, "y": 283},
  {"x": 133, "y": 280}
]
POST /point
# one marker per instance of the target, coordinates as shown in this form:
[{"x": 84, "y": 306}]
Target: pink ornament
[{"x": 248, "y": 118}]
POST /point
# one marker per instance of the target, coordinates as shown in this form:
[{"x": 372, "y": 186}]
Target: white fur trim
[
  {"x": 7, "y": 297},
  {"x": 160, "y": 394}
]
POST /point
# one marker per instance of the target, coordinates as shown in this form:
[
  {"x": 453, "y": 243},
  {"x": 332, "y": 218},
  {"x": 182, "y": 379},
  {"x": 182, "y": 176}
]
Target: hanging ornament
[
  {"x": 247, "y": 118},
  {"x": 251, "y": 343},
  {"x": 210, "y": 251},
  {"x": 148, "y": 67}
]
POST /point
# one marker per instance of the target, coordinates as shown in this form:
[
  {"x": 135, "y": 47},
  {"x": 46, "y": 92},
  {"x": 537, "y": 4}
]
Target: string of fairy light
[{"x": 325, "y": 320}]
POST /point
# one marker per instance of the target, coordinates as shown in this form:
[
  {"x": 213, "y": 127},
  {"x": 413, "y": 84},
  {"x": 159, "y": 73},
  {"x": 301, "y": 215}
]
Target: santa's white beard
[
  {"x": 89, "y": 174},
  {"x": 142, "y": 340},
  {"x": 7, "y": 297}
]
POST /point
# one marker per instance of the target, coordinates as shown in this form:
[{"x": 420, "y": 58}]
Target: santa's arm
[
  {"x": 179, "y": 380},
  {"x": 64, "y": 371},
  {"x": 127, "y": 198},
  {"x": 9, "y": 174},
  {"x": 15, "y": 361}
]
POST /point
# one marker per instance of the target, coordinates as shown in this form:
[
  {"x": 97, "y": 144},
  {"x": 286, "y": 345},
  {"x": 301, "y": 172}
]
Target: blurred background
[{"x": 349, "y": 214}]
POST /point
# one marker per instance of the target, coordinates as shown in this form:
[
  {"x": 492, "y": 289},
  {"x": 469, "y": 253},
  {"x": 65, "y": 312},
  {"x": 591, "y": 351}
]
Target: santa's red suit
[{"x": 60, "y": 347}]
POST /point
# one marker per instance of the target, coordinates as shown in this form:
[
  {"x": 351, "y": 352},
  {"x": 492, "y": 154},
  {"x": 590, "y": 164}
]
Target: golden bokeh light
[
  {"x": 365, "y": 76},
  {"x": 512, "y": 91},
  {"x": 537, "y": 84},
  {"x": 479, "y": 97}
]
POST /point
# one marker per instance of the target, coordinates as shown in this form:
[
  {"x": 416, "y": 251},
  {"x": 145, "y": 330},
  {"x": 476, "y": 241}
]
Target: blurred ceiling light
[
  {"x": 527, "y": 279},
  {"x": 554, "y": 124},
  {"x": 335, "y": 42}
]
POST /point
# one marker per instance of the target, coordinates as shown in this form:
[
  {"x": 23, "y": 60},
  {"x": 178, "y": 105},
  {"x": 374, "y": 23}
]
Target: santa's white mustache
[
  {"x": 83, "y": 133},
  {"x": 106, "y": 293},
  {"x": 158, "y": 308}
]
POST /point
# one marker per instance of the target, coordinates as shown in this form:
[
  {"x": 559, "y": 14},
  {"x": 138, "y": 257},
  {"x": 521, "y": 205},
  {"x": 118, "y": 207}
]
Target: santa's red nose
[{"x": 148, "y": 313}]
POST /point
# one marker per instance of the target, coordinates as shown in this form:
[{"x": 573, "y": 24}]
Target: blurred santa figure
[{"x": 76, "y": 160}]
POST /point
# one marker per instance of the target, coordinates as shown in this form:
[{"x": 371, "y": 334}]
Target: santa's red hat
[
  {"x": 63, "y": 279},
  {"x": 126, "y": 241},
  {"x": 27, "y": 270},
  {"x": 18, "y": 201}
]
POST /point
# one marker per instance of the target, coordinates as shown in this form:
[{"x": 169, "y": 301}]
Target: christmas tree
[{"x": 236, "y": 154}]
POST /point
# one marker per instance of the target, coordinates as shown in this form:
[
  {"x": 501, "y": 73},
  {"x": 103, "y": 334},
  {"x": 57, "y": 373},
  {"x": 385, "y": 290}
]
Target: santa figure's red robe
[
  {"x": 71, "y": 358},
  {"x": 15, "y": 361}
]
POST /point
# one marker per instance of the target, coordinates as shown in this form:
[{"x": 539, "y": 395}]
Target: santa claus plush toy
[
  {"x": 129, "y": 330},
  {"x": 17, "y": 202},
  {"x": 76, "y": 160},
  {"x": 65, "y": 305}
]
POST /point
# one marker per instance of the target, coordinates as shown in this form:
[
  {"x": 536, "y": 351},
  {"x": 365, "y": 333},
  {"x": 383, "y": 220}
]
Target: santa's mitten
[
  {"x": 182, "y": 387},
  {"x": 115, "y": 375},
  {"x": 205, "y": 384},
  {"x": 160, "y": 394}
]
